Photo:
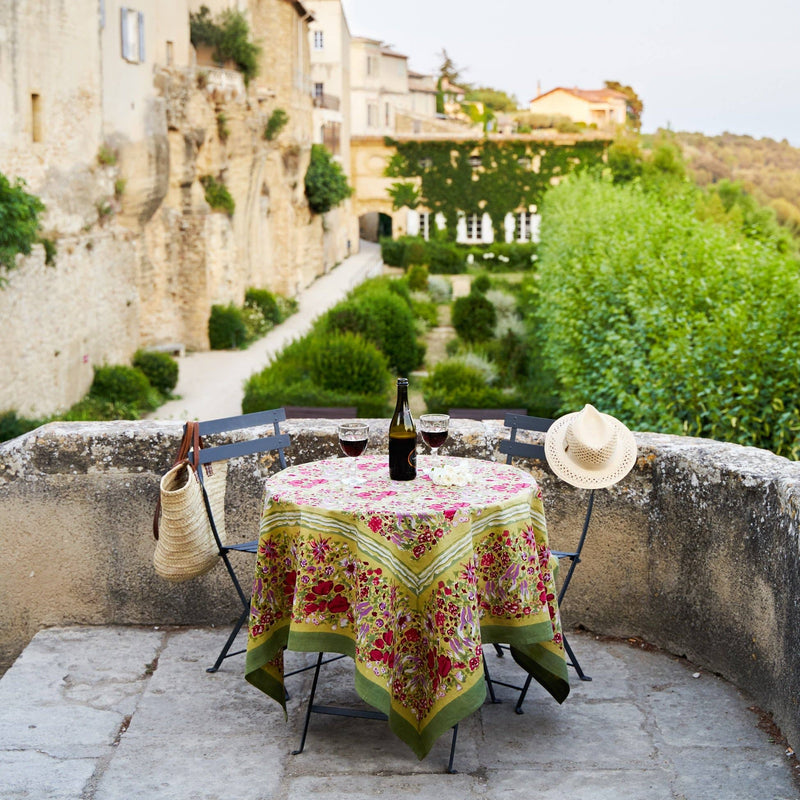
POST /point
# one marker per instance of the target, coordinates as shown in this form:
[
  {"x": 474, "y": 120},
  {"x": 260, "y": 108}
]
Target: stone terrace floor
[{"x": 117, "y": 713}]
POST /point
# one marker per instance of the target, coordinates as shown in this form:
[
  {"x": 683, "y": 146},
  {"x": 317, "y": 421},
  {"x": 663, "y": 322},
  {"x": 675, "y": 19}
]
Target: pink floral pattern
[{"x": 407, "y": 572}]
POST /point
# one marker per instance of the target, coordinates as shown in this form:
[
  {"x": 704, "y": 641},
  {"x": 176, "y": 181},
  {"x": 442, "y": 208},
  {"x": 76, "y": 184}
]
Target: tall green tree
[
  {"x": 634, "y": 104},
  {"x": 326, "y": 183}
]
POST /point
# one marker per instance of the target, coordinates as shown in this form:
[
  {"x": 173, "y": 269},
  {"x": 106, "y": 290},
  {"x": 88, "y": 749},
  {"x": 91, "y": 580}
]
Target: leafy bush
[
  {"x": 323, "y": 370},
  {"x": 455, "y": 384},
  {"x": 418, "y": 278},
  {"x": 481, "y": 284},
  {"x": 446, "y": 258},
  {"x": 160, "y": 369},
  {"x": 266, "y": 302},
  {"x": 671, "y": 323},
  {"x": 91, "y": 409},
  {"x": 383, "y": 318},
  {"x": 394, "y": 252},
  {"x": 474, "y": 318},
  {"x": 326, "y": 183},
  {"x": 504, "y": 256},
  {"x": 217, "y": 195},
  {"x": 425, "y": 309},
  {"x": 229, "y": 34},
  {"x": 12, "y": 425},
  {"x": 226, "y": 328},
  {"x": 127, "y": 386},
  {"x": 19, "y": 221}
]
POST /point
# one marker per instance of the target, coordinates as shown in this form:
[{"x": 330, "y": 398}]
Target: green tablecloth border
[{"x": 546, "y": 667}]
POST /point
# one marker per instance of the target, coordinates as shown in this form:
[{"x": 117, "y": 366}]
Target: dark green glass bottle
[{"x": 402, "y": 438}]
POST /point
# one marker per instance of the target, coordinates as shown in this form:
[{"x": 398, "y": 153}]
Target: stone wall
[{"x": 695, "y": 551}]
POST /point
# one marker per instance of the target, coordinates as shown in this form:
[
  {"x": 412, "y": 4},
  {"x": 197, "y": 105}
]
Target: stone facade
[
  {"x": 141, "y": 256},
  {"x": 696, "y": 550}
]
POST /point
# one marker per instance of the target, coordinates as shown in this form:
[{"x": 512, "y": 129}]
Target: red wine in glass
[
  {"x": 434, "y": 439},
  {"x": 353, "y": 447}
]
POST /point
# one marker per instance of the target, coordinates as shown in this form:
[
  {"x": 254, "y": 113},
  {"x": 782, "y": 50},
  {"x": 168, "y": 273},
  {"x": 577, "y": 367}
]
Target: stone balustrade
[{"x": 696, "y": 551}]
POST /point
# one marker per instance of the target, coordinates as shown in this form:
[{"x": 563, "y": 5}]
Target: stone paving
[{"x": 121, "y": 713}]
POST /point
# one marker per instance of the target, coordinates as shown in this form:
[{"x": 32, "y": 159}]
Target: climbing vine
[{"x": 495, "y": 177}]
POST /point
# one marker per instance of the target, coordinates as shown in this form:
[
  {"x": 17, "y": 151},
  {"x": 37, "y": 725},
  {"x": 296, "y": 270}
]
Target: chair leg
[
  {"x": 489, "y": 682},
  {"x": 498, "y": 650},
  {"x": 523, "y": 693},
  {"x": 450, "y": 769},
  {"x": 573, "y": 662},
  {"x": 223, "y": 654},
  {"x": 310, "y": 703}
]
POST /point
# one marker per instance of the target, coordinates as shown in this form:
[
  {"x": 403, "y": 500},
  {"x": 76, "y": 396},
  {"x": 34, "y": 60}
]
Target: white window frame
[
  {"x": 132, "y": 35},
  {"x": 424, "y": 224},
  {"x": 474, "y": 223},
  {"x": 523, "y": 225},
  {"x": 372, "y": 115},
  {"x": 319, "y": 40}
]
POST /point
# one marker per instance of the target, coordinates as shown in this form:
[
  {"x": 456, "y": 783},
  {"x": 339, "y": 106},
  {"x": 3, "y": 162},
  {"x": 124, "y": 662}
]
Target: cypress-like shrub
[
  {"x": 474, "y": 317},
  {"x": 227, "y": 328}
]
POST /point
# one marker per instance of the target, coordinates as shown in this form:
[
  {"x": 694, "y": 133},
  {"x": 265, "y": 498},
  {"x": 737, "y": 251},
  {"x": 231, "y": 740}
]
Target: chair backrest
[
  {"x": 321, "y": 412},
  {"x": 516, "y": 422},
  {"x": 483, "y": 413},
  {"x": 277, "y": 441}
]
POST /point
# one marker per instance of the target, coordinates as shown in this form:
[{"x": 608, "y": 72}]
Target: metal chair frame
[
  {"x": 275, "y": 442},
  {"x": 511, "y": 448}
]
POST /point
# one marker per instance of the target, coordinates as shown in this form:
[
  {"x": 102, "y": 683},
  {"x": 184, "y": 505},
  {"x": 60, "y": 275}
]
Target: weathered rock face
[{"x": 697, "y": 550}]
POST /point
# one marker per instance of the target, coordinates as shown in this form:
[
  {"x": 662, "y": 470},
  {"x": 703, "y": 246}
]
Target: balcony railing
[{"x": 329, "y": 101}]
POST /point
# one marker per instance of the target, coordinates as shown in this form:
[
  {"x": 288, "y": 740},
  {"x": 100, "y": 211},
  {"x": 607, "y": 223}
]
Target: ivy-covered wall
[{"x": 489, "y": 176}]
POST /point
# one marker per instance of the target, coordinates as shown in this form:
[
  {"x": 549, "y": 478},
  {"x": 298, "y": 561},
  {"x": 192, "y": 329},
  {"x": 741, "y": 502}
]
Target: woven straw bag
[{"x": 185, "y": 543}]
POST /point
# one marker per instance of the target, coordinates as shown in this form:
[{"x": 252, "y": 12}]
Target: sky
[{"x": 708, "y": 66}]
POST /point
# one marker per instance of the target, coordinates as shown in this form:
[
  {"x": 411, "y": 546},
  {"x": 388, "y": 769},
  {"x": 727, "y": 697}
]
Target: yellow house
[{"x": 605, "y": 108}]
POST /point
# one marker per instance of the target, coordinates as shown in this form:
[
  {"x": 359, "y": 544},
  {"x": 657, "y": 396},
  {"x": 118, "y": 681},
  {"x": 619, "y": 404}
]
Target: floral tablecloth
[{"x": 410, "y": 579}]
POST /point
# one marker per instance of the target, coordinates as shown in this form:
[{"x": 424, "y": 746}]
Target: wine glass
[
  {"x": 353, "y": 438},
  {"x": 433, "y": 428}
]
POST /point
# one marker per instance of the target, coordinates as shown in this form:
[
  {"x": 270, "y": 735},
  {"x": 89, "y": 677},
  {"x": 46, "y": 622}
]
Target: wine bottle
[{"x": 402, "y": 438}]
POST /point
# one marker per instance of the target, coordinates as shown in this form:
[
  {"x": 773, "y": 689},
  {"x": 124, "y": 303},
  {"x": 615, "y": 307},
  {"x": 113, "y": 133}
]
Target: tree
[
  {"x": 634, "y": 105},
  {"x": 449, "y": 70},
  {"x": 495, "y": 99},
  {"x": 229, "y": 35},
  {"x": 326, "y": 184}
]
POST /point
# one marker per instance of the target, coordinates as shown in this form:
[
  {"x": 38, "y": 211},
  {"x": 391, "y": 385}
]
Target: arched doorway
[{"x": 374, "y": 225}]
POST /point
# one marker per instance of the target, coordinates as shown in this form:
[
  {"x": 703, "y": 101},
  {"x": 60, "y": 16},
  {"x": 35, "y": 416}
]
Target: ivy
[
  {"x": 229, "y": 34},
  {"x": 19, "y": 222},
  {"x": 491, "y": 176}
]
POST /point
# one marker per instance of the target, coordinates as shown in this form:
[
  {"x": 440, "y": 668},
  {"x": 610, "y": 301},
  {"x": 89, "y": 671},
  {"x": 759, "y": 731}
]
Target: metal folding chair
[
  {"x": 276, "y": 442},
  {"x": 512, "y": 448}
]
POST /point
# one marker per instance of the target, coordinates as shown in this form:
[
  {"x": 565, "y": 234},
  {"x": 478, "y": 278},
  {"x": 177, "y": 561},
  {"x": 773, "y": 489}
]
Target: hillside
[{"x": 768, "y": 169}]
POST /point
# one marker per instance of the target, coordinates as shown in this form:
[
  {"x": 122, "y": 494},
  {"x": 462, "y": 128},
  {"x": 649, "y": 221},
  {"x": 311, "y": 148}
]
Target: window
[
  {"x": 319, "y": 40},
  {"x": 372, "y": 65},
  {"x": 524, "y": 226},
  {"x": 387, "y": 116},
  {"x": 425, "y": 163},
  {"x": 475, "y": 161},
  {"x": 425, "y": 224},
  {"x": 132, "y": 30},
  {"x": 170, "y": 54},
  {"x": 475, "y": 227},
  {"x": 319, "y": 90},
  {"x": 36, "y": 117},
  {"x": 372, "y": 115},
  {"x": 524, "y": 162}
]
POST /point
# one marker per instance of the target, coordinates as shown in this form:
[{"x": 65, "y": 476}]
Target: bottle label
[{"x": 402, "y": 458}]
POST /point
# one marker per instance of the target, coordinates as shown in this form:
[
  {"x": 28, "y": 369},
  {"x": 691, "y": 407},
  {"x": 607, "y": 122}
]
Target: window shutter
[
  {"x": 141, "y": 38},
  {"x": 123, "y": 19}
]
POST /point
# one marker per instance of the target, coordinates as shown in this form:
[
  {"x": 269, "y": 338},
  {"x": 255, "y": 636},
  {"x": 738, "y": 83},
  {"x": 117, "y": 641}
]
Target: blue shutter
[
  {"x": 123, "y": 13},
  {"x": 141, "y": 38}
]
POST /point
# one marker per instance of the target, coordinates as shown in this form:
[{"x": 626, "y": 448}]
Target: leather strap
[{"x": 190, "y": 440}]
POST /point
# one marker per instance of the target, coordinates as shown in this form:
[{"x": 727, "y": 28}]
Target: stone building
[{"x": 116, "y": 145}]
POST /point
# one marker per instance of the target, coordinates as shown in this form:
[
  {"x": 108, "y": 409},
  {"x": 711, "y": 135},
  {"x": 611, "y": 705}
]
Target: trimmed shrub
[
  {"x": 226, "y": 328},
  {"x": 418, "y": 278},
  {"x": 120, "y": 384},
  {"x": 394, "y": 252},
  {"x": 481, "y": 284},
  {"x": 338, "y": 370},
  {"x": 425, "y": 310},
  {"x": 474, "y": 318},
  {"x": 160, "y": 369},
  {"x": 455, "y": 384},
  {"x": 383, "y": 318},
  {"x": 266, "y": 302},
  {"x": 446, "y": 258}
]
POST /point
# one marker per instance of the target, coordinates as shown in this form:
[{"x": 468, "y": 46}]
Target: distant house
[{"x": 605, "y": 108}]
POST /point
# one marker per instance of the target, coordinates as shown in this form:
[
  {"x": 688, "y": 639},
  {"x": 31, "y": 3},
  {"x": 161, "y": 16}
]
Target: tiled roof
[{"x": 590, "y": 95}]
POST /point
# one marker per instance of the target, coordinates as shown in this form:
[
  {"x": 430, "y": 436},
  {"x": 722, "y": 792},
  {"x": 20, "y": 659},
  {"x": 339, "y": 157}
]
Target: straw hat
[{"x": 590, "y": 450}]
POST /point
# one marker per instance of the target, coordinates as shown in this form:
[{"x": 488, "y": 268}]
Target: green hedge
[
  {"x": 323, "y": 370},
  {"x": 454, "y": 384},
  {"x": 447, "y": 258},
  {"x": 383, "y": 317},
  {"x": 161, "y": 369},
  {"x": 670, "y": 323},
  {"x": 227, "y": 328}
]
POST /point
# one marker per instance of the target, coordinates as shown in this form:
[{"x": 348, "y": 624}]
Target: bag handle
[{"x": 190, "y": 440}]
